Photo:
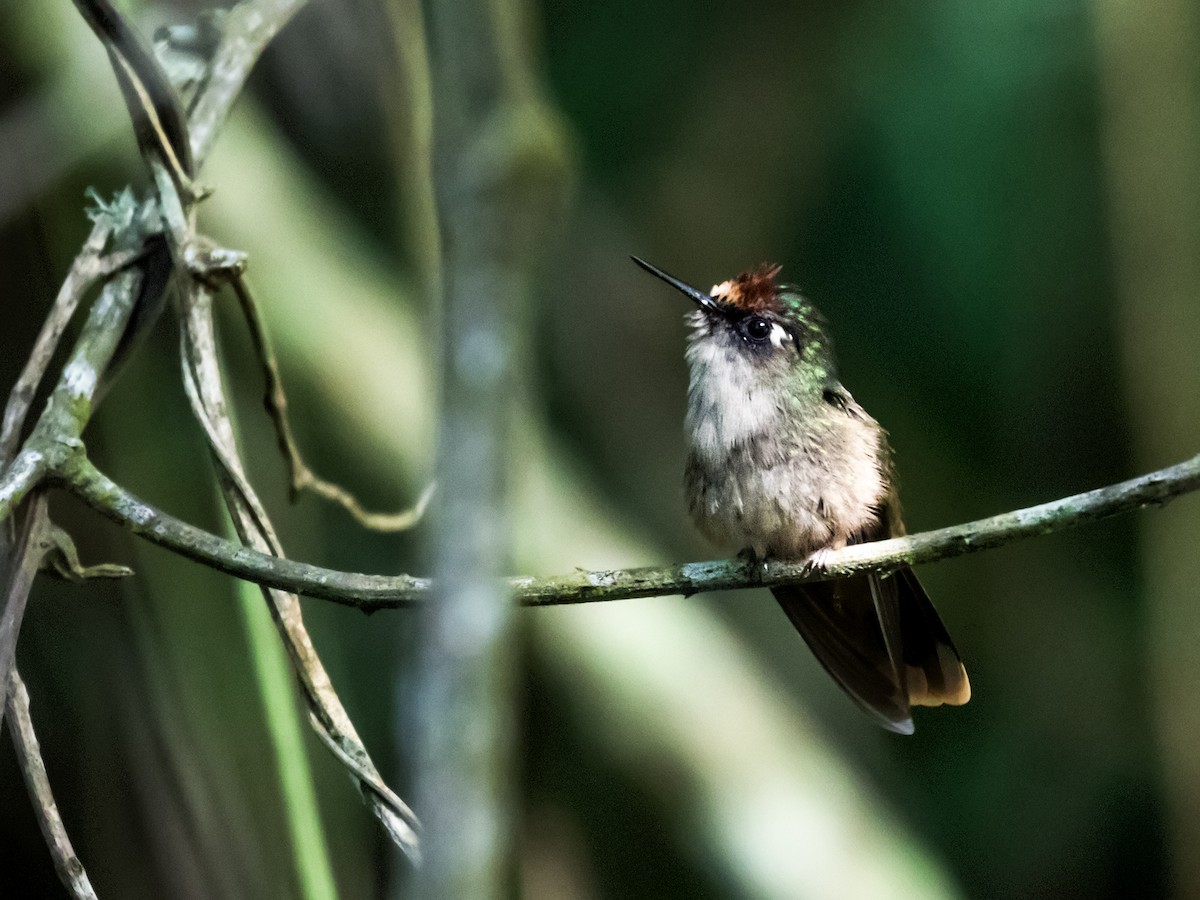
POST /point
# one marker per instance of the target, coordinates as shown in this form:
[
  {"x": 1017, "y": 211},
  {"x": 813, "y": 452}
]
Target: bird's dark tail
[{"x": 882, "y": 641}]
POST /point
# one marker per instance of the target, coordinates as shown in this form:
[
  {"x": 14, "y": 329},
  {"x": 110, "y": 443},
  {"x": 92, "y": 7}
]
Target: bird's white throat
[{"x": 727, "y": 403}]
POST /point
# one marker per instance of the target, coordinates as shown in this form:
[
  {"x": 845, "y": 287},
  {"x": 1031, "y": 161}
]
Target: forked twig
[
  {"x": 300, "y": 476},
  {"x": 20, "y": 567}
]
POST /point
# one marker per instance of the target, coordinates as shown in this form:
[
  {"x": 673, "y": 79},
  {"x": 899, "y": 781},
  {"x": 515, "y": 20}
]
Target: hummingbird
[{"x": 784, "y": 464}]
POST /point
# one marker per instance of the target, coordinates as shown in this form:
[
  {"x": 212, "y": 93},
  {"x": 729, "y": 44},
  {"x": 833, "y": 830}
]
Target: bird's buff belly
[
  {"x": 769, "y": 511},
  {"x": 786, "y": 510}
]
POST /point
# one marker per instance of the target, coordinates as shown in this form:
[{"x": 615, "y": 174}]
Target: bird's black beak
[{"x": 701, "y": 299}]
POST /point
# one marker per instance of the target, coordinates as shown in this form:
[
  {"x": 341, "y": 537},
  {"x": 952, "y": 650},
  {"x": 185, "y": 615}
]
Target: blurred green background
[{"x": 996, "y": 207}]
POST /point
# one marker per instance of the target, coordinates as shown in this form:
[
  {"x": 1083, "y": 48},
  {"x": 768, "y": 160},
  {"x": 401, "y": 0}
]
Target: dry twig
[
  {"x": 29, "y": 758},
  {"x": 300, "y": 476}
]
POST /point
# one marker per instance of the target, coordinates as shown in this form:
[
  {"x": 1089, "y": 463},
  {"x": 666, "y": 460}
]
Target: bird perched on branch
[{"x": 783, "y": 463}]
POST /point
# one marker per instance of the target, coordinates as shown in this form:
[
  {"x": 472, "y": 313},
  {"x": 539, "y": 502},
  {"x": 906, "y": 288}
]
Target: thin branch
[
  {"x": 21, "y": 477},
  {"x": 203, "y": 384},
  {"x": 83, "y": 273},
  {"x": 300, "y": 476},
  {"x": 62, "y": 559},
  {"x": 57, "y": 431},
  {"x": 21, "y": 556},
  {"x": 89, "y": 267},
  {"x": 54, "y": 438},
  {"x": 246, "y": 29},
  {"x": 29, "y": 758},
  {"x": 374, "y": 592},
  {"x": 57, "y": 434},
  {"x": 27, "y": 554},
  {"x": 154, "y": 108},
  {"x": 20, "y": 568}
]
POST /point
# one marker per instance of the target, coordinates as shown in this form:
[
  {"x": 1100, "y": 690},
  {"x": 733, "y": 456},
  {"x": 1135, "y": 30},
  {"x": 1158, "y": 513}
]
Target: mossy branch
[
  {"x": 56, "y": 437},
  {"x": 374, "y": 592}
]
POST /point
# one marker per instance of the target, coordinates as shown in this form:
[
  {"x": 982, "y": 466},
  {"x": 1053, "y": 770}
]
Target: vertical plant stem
[
  {"x": 277, "y": 692},
  {"x": 499, "y": 173},
  {"x": 466, "y": 677}
]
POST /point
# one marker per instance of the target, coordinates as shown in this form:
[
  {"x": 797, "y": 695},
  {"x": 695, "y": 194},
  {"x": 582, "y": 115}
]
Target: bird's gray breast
[{"x": 782, "y": 474}]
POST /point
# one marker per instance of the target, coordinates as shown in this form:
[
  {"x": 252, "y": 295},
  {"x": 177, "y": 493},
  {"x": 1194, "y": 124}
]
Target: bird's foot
[
  {"x": 750, "y": 556},
  {"x": 817, "y": 562}
]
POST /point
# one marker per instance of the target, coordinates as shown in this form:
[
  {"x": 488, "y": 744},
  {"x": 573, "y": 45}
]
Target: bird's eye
[{"x": 756, "y": 328}]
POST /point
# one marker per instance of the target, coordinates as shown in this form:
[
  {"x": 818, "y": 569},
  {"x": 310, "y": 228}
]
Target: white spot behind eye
[{"x": 779, "y": 334}]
